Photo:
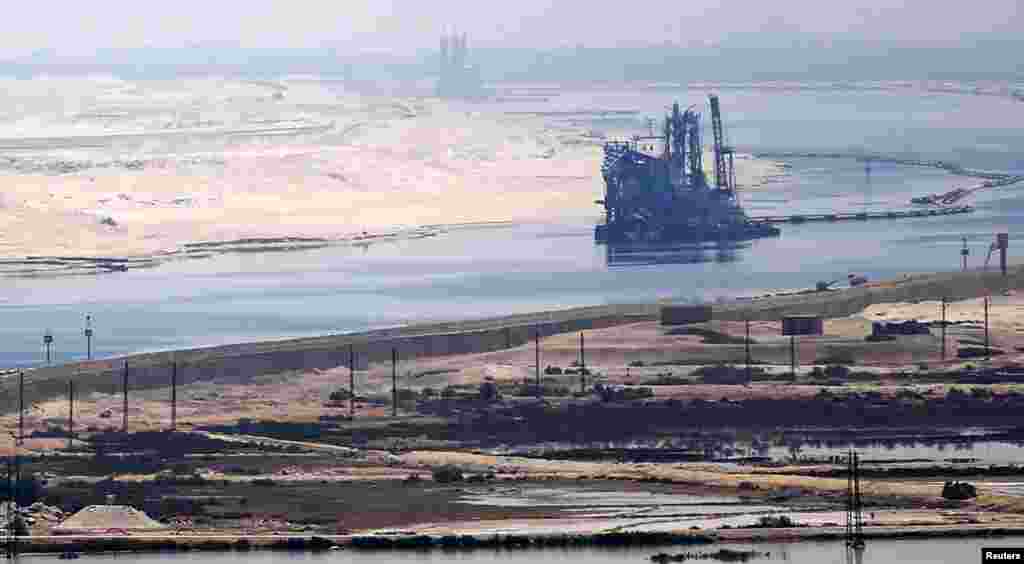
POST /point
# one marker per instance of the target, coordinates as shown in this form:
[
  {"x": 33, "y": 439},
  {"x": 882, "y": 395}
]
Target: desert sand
[{"x": 114, "y": 168}]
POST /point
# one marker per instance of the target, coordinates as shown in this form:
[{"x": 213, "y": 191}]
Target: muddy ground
[{"x": 306, "y": 461}]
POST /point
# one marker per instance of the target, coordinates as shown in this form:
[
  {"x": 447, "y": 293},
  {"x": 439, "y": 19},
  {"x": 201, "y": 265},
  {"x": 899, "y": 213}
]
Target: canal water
[
  {"x": 877, "y": 552},
  {"x": 477, "y": 272}
]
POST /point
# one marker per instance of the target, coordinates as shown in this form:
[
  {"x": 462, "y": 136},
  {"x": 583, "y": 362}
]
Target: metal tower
[
  {"x": 854, "y": 518},
  {"x": 724, "y": 166}
]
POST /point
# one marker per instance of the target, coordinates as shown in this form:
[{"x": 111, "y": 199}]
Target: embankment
[{"x": 241, "y": 363}]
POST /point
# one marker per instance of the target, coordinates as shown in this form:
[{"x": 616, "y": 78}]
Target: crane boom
[{"x": 722, "y": 177}]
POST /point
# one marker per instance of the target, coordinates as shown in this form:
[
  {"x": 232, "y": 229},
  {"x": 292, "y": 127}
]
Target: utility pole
[
  {"x": 746, "y": 343},
  {"x": 988, "y": 355},
  {"x": 21, "y": 407},
  {"x": 943, "y": 328},
  {"x": 174, "y": 395},
  {"x": 48, "y": 342},
  {"x": 71, "y": 413},
  {"x": 394, "y": 382},
  {"x": 854, "y": 515},
  {"x": 792, "y": 353},
  {"x": 583, "y": 365},
  {"x": 124, "y": 398},
  {"x": 351, "y": 382},
  {"x": 11, "y": 531},
  {"x": 88, "y": 337},
  {"x": 536, "y": 351},
  {"x": 963, "y": 254}
]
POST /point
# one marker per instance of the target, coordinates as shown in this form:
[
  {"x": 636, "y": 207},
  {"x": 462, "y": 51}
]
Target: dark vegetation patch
[{"x": 721, "y": 555}]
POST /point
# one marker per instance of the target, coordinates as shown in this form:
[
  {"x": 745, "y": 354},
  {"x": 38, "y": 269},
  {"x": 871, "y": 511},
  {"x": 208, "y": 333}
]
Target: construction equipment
[{"x": 656, "y": 188}]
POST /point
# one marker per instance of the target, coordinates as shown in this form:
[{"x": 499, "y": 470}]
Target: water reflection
[
  {"x": 996, "y": 447},
  {"x": 648, "y": 254}
]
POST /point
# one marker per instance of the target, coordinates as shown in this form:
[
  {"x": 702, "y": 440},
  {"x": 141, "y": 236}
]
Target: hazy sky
[{"x": 73, "y": 27}]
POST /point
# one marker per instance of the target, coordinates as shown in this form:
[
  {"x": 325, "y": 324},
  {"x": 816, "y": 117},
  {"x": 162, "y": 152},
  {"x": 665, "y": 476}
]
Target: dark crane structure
[
  {"x": 656, "y": 189},
  {"x": 725, "y": 168},
  {"x": 456, "y": 77}
]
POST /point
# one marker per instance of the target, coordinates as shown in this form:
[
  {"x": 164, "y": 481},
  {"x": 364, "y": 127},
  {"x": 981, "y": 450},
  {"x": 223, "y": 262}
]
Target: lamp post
[
  {"x": 943, "y": 329},
  {"x": 48, "y": 342},
  {"x": 88, "y": 337}
]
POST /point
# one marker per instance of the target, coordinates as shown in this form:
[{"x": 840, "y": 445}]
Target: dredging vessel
[{"x": 656, "y": 189}]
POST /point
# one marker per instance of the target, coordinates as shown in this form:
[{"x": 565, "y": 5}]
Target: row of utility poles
[
  {"x": 174, "y": 386},
  {"x": 581, "y": 363},
  {"x": 20, "y": 439}
]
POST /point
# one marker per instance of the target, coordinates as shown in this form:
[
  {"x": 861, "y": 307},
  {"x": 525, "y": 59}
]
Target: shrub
[
  {"x": 836, "y": 371},
  {"x": 838, "y": 357},
  {"x": 958, "y": 490},
  {"x": 406, "y": 395},
  {"x": 722, "y": 374},
  {"x": 18, "y": 527},
  {"x": 488, "y": 391},
  {"x": 775, "y": 522},
  {"x": 862, "y": 376},
  {"x": 956, "y": 394},
  {"x": 447, "y": 474},
  {"x": 548, "y": 389},
  {"x": 609, "y": 393},
  {"x": 667, "y": 379},
  {"x": 908, "y": 394},
  {"x": 340, "y": 394},
  {"x": 981, "y": 393}
]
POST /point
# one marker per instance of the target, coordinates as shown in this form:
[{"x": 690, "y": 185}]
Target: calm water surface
[
  {"x": 472, "y": 273},
  {"x": 877, "y": 552}
]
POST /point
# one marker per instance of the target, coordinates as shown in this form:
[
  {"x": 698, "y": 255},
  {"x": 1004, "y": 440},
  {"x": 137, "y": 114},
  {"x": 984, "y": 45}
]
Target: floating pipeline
[
  {"x": 951, "y": 168},
  {"x": 862, "y": 216}
]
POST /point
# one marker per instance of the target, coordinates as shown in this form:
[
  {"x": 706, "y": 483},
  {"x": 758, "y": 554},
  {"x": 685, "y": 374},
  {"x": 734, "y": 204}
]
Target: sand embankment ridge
[{"x": 240, "y": 363}]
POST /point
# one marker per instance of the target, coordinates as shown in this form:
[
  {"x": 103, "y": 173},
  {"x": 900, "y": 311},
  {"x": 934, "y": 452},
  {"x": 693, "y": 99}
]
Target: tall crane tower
[{"x": 725, "y": 171}]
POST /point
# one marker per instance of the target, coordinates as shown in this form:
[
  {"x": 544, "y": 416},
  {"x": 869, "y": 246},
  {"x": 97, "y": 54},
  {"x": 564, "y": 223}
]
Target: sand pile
[{"x": 103, "y": 518}]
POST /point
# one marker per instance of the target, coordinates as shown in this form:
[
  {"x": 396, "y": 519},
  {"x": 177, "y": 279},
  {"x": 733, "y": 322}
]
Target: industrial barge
[{"x": 656, "y": 189}]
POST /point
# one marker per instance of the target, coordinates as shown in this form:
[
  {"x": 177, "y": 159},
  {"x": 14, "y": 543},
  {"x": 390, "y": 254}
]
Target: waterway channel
[
  {"x": 877, "y": 552},
  {"x": 475, "y": 272}
]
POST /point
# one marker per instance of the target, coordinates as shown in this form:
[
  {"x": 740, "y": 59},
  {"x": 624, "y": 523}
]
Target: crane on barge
[{"x": 656, "y": 189}]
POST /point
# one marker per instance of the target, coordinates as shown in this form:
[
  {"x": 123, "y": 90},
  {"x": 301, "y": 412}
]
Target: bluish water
[
  {"x": 975, "y": 131},
  {"x": 472, "y": 273},
  {"x": 876, "y": 552}
]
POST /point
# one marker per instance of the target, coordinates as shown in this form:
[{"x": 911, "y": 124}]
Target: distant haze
[{"x": 405, "y": 26}]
